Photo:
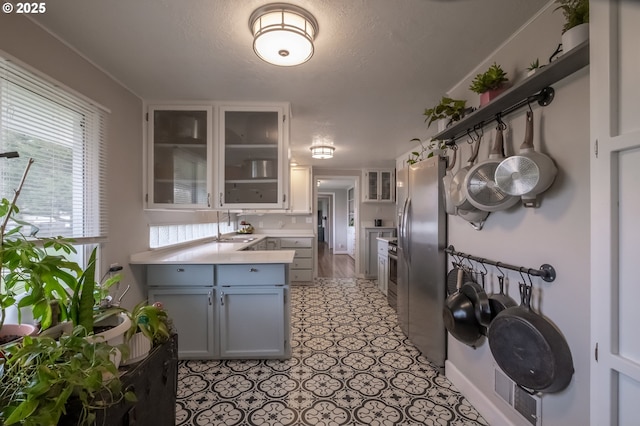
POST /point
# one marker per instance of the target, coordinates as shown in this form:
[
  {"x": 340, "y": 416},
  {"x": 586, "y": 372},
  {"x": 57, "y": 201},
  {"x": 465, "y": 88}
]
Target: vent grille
[{"x": 527, "y": 405}]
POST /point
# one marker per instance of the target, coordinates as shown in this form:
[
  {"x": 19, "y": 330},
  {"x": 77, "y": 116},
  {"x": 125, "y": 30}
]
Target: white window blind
[{"x": 64, "y": 193}]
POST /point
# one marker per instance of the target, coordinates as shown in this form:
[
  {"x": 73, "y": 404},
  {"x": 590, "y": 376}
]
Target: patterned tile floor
[{"x": 351, "y": 365}]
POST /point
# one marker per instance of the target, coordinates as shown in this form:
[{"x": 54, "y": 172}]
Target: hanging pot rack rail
[
  {"x": 534, "y": 88},
  {"x": 546, "y": 271}
]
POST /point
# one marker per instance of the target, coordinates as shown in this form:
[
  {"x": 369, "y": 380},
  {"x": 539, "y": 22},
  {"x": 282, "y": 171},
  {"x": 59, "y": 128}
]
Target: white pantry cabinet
[
  {"x": 378, "y": 186},
  {"x": 300, "y": 190},
  {"x": 253, "y": 169},
  {"x": 179, "y": 156}
]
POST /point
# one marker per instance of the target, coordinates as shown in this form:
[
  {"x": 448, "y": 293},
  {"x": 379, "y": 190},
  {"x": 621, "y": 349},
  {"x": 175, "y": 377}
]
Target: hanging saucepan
[
  {"x": 527, "y": 174},
  {"x": 452, "y": 278},
  {"x": 529, "y": 348},
  {"x": 457, "y": 194},
  {"x": 474, "y": 216},
  {"x": 479, "y": 186},
  {"x": 446, "y": 184},
  {"x": 498, "y": 302},
  {"x": 459, "y": 317}
]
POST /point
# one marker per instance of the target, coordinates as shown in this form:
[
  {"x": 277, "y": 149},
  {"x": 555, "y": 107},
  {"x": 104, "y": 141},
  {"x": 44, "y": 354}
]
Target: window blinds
[{"x": 65, "y": 191}]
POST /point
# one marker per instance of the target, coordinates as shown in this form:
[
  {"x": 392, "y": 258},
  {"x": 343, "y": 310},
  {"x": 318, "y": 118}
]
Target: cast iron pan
[
  {"x": 460, "y": 318},
  {"x": 529, "y": 348},
  {"x": 480, "y": 301},
  {"x": 498, "y": 302}
]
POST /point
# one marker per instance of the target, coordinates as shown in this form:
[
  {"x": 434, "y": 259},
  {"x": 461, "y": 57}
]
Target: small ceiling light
[
  {"x": 322, "y": 151},
  {"x": 283, "y": 34}
]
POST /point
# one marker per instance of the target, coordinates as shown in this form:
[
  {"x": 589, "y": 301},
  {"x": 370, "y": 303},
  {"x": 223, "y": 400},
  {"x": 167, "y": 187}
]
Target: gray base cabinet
[
  {"x": 192, "y": 313},
  {"x": 252, "y": 322},
  {"x": 235, "y": 311}
]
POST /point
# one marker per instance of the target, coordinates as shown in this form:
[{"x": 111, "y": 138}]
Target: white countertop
[
  {"x": 387, "y": 239},
  {"x": 213, "y": 253}
]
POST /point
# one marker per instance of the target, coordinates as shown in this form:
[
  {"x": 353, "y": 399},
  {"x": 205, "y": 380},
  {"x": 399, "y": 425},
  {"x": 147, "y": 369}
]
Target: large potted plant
[
  {"x": 42, "y": 378},
  {"x": 490, "y": 83},
  {"x": 576, "y": 27}
]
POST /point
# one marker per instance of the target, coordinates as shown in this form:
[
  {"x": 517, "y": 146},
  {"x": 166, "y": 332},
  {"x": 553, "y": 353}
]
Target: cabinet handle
[
  {"x": 253, "y": 270},
  {"x": 222, "y": 298},
  {"x": 180, "y": 269},
  {"x": 208, "y": 199},
  {"x": 210, "y": 301},
  {"x": 221, "y": 199}
]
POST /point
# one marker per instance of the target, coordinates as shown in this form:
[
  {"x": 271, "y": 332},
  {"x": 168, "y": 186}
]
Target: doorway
[{"x": 336, "y": 220}]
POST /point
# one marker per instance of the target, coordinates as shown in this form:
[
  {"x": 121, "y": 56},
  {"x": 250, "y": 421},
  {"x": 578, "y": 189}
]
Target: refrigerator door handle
[
  {"x": 407, "y": 230},
  {"x": 403, "y": 227}
]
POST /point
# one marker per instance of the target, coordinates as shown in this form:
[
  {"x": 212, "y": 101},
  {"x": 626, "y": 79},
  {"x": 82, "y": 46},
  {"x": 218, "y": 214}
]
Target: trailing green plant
[
  {"x": 150, "y": 320},
  {"x": 493, "y": 78},
  {"x": 40, "y": 376},
  {"x": 434, "y": 144},
  {"x": 448, "y": 108},
  {"x": 575, "y": 12}
]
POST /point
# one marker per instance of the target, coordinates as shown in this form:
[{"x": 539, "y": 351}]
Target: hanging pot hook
[
  {"x": 499, "y": 269},
  {"x": 529, "y": 276},
  {"x": 523, "y": 279},
  {"x": 470, "y": 140},
  {"x": 486, "y": 271},
  {"x": 501, "y": 124}
]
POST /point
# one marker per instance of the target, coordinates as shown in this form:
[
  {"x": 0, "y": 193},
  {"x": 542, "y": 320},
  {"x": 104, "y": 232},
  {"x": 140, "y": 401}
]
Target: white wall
[{"x": 556, "y": 233}]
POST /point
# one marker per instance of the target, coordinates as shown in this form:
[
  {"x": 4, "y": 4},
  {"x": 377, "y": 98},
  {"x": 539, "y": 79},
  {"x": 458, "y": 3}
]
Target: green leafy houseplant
[
  {"x": 41, "y": 376},
  {"x": 448, "y": 108},
  {"x": 492, "y": 79},
  {"x": 150, "y": 320},
  {"x": 35, "y": 266},
  {"x": 575, "y": 12},
  {"x": 434, "y": 144}
]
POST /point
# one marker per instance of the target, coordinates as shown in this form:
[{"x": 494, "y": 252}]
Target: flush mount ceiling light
[
  {"x": 283, "y": 34},
  {"x": 322, "y": 151}
]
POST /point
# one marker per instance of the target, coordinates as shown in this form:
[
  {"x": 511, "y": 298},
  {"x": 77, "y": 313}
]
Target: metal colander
[{"x": 517, "y": 175}]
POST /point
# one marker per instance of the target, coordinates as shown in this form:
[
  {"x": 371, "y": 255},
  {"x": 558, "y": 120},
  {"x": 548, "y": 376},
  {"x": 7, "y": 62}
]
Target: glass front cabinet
[
  {"x": 379, "y": 186},
  {"x": 252, "y": 150},
  {"x": 239, "y": 163},
  {"x": 179, "y": 156}
]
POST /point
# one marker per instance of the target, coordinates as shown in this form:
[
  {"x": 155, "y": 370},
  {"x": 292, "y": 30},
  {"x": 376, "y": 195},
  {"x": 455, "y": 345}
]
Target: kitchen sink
[{"x": 237, "y": 239}]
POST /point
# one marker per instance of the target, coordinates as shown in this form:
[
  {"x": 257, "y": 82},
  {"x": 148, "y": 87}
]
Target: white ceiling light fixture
[
  {"x": 322, "y": 151},
  {"x": 283, "y": 34}
]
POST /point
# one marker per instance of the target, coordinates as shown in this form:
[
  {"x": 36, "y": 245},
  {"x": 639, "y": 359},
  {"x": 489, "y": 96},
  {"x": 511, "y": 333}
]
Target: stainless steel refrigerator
[{"x": 422, "y": 231}]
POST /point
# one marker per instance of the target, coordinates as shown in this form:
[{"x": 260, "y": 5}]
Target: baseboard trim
[
  {"x": 478, "y": 399},
  {"x": 340, "y": 252}
]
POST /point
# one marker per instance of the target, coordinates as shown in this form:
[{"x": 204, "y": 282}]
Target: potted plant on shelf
[
  {"x": 490, "y": 83},
  {"x": 534, "y": 67},
  {"x": 576, "y": 27},
  {"x": 446, "y": 112}
]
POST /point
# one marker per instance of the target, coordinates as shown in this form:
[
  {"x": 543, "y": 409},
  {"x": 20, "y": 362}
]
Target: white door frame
[
  {"x": 615, "y": 201},
  {"x": 329, "y": 231}
]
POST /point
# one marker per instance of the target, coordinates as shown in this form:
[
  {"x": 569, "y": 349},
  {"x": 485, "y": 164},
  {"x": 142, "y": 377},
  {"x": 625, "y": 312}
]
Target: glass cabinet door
[
  {"x": 180, "y": 141},
  {"x": 372, "y": 186},
  {"x": 251, "y": 150},
  {"x": 386, "y": 185}
]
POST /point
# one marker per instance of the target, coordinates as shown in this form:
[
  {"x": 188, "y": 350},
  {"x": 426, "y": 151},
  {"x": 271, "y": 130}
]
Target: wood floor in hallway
[{"x": 334, "y": 265}]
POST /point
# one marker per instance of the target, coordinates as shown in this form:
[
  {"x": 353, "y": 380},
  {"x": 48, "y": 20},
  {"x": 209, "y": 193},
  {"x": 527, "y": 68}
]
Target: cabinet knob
[
  {"x": 180, "y": 269},
  {"x": 222, "y": 298},
  {"x": 253, "y": 270}
]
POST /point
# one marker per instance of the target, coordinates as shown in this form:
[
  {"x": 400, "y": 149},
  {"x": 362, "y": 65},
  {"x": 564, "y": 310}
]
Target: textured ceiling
[{"x": 377, "y": 63}]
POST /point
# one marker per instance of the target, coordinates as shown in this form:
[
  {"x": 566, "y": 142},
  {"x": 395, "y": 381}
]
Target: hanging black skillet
[
  {"x": 529, "y": 348},
  {"x": 498, "y": 302}
]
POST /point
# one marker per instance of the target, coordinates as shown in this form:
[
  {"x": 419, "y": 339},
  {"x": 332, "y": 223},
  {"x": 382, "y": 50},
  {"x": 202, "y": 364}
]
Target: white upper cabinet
[
  {"x": 252, "y": 165},
  {"x": 179, "y": 156},
  {"x": 300, "y": 191},
  {"x": 378, "y": 186}
]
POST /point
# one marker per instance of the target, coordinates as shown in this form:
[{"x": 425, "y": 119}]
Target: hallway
[{"x": 334, "y": 265}]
